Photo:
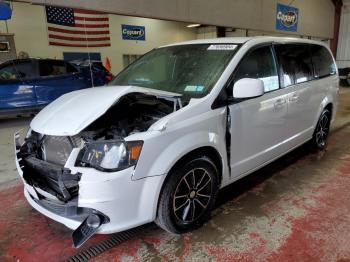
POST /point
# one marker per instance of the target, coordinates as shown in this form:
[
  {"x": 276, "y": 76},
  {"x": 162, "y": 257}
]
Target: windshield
[{"x": 190, "y": 70}]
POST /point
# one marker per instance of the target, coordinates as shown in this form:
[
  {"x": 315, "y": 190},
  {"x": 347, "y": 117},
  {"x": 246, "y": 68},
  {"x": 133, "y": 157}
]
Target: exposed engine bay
[{"x": 133, "y": 113}]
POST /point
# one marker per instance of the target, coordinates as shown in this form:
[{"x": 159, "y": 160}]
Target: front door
[{"x": 258, "y": 125}]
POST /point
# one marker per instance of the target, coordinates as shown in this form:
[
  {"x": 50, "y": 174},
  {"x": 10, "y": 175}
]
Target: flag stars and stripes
[
  {"x": 60, "y": 15},
  {"x": 77, "y": 27}
]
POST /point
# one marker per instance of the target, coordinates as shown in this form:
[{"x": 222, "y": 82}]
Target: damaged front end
[
  {"x": 41, "y": 158},
  {"x": 48, "y": 176},
  {"x": 54, "y": 187}
]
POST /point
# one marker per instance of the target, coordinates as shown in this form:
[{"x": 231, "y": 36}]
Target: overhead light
[{"x": 193, "y": 25}]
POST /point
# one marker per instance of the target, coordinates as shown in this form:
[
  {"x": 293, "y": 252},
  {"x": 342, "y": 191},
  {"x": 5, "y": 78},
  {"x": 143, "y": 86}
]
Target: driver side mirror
[{"x": 248, "y": 88}]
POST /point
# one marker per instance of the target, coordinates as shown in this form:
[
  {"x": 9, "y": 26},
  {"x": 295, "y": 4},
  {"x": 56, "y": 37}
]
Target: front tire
[
  {"x": 188, "y": 196},
  {"x": 319, "y": 139}
]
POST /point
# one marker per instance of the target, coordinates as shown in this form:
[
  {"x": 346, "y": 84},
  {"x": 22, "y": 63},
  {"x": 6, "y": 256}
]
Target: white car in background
[{"x": 172, "y": 129}]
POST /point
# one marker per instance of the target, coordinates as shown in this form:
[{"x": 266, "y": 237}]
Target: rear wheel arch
[
  {"x": 318, "y": 141},
  {"x": 327, "y": 103},
  {"x": 329, "y": 107}
]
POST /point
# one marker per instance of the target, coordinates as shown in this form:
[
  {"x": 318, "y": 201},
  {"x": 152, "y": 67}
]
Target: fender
[
  {"x": 182, "y": 146},
  {"x": 173, "y": 153},
  {"x": 178, "y": 136}
]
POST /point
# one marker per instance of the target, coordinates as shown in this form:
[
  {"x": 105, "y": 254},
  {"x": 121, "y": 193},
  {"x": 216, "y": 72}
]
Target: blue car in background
[
  {"x": 27, "y": 85},
  {"x": 100, "y": 75}
]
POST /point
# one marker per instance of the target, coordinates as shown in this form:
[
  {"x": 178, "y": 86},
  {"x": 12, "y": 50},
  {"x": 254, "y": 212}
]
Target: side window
[
  {"x": 259, "y": 64},
  {"x": 19, "y": 70},
  {"x": 8, "y": 73},
  {"x": 71, "y": 69},
  {"x": 296, "y": 64},
  {"x": 323, "y": 61},
  {"x": 52, "y": 67}
]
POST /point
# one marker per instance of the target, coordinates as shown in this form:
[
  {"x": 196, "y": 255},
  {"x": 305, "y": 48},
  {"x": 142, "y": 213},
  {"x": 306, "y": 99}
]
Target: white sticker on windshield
[
  {"x": 222, "y": 47},
  {"x": 194, "y": 88}
]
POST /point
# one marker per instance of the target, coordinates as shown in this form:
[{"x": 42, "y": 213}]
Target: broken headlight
[{"x": 111, "y": 155}]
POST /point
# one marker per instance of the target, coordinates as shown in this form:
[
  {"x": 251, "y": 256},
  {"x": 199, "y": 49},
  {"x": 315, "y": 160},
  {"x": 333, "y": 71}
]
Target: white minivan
[{"x": 171, "y": 129}]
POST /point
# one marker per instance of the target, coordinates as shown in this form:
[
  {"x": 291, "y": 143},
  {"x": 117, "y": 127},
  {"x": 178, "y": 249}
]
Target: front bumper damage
[
  {"x": 49, "y": 177},
  {"x": 55, "y": 189}
]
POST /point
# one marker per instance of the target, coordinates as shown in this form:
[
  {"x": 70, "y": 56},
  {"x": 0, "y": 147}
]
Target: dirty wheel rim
[
  {"x": 192, "y": 195},
  {"x": 322, "y": 130}
]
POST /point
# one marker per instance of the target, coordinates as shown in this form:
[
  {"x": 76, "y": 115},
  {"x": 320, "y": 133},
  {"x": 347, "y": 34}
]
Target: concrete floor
[{"x": 295, "y": 209}]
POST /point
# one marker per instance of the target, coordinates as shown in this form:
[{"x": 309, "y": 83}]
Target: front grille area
[
  {"x": 56, "y": 149},
  {"x": 42, "y": 159}
]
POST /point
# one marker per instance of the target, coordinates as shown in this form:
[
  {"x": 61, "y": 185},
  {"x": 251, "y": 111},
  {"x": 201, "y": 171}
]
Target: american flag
[{"x": 77, "y": 27}]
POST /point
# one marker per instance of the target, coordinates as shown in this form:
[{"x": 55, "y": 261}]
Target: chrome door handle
[{"x": 294, "y": 98}]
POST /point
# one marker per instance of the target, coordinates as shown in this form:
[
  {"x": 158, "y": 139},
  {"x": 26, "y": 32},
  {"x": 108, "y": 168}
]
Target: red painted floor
[{"x": 296, "y": 209}]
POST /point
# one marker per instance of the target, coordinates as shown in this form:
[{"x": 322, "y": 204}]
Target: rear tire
[
  {"x": 188, "y": 196},
  {"x": 319, "y": 139},
  {"x": 345, "y": 72}
]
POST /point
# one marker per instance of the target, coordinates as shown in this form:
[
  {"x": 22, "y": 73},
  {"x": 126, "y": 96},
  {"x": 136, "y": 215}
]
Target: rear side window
[
  {"x": 295, "y": 63},
  {"x": 55, "y": 68},
  {"x": 323, "y": 61},
  {"x": 259, "y": 64}
]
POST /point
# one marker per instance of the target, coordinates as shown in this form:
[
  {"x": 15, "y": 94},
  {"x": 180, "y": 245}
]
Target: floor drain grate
[{"x": 104, "y": 245}]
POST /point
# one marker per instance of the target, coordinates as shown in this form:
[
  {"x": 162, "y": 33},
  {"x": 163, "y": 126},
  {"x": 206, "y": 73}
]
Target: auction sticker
[
  {"x": 222, "y": 47},
  {"x": 193, "y": 88}
]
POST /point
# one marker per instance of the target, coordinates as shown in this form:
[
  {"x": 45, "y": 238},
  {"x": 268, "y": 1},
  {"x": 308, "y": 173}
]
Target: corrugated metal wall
[{"x": 343, "y": 52}]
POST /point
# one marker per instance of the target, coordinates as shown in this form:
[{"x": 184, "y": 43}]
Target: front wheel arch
[
  {"x": 210, "y": 152},
  {"x": 207, "y": 151}
]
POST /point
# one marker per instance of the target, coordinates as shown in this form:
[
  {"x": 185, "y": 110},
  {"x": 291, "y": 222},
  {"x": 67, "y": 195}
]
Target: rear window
[
  {"x": 323, "y": 61},
  {"x": 296, "y": 64}
]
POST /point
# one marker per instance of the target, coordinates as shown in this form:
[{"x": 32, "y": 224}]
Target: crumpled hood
[{"x": 71, "y": 113}]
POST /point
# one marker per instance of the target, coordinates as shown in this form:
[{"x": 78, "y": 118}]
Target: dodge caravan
[{"x": 173, "y": 128}]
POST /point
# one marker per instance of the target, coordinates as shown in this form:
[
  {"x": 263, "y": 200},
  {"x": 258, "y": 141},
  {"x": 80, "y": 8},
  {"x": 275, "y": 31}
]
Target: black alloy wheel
[
  {"x": 322, "y": 130},
  {"x": 188, "y": 195}
]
